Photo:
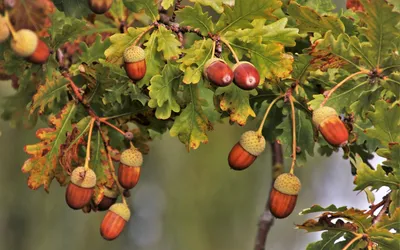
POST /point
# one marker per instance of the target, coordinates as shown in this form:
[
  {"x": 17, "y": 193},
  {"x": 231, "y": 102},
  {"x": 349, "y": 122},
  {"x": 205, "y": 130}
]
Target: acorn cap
[
  {"x": 25, "y": 42},
  {"x": 83, "y": 178},
  {"x": 122, "y": 210},
  {"x": 287, "y": 184},
  {"x": 133, "y": 54},
  {"x": 111, "y": 193},
  {"x": 132, "y": 157},
  {"x": 4, "y": 31},
  {"x": 252, "y": 142},
  {"x": 322, "y": 113},
  {"x": 240, "y": 63}
]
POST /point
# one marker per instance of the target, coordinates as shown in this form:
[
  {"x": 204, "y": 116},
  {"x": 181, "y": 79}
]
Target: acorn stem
[
  {"x": 230, "y": 48},
  {"x": 142, "y": 34},
  {"x": 294, "y": 146},
  {"x": 358, "y": 236},
  {"x": 213, "y": 50},
  {"x": 364, "y": 71},
  {"x": 112, "y": 126},
  {"x": 259, "y": 131},
  {"x": 10, "y": 26},
  {"x": 88, "y": 144},
  {"x": 132, "y": 146}
]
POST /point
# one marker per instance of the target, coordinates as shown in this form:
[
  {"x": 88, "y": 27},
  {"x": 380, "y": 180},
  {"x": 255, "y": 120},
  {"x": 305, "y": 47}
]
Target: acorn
[
  {"x": 27, "y": 44},
  {"x": 283, "y": 196},
  {"x": 218, "y": 72},
  {"x": 135, "y": 62},
  {"x": 4, "y": 31},
  {"x": 245, "y": 152},
  {"x": 114, "y": 221},
  {"x": 245, "y": 75},
  {"x": 129, "y": 168},
  {"x": 81, "y": 188},
  {"x": 100, "y": 6},
  {"x": 327, "y": 121},
  {"x": 109, "y": 198}
]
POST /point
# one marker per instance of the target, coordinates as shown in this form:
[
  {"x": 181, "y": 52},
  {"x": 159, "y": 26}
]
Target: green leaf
[
  {"x": 149, "y": 8},
  {"x": 392, "y": 156},
  {"x": 43, "y": 163},
  {"x": 301, "y": 67},
  {"x": 99, "y": 161},
  {"x": 244, "y": 12},
  {"x": 392, "y": 222},
  {"x": 49, "y": 93},
  {"x": 192, "y": 124},
  {"x": 192, "y": 64},
  {"x": 217, "y": 5},
  {"x": 64, "y": 29},
  {"x": 308, "y": 20},
  {"x": 321, "y": 6},
  {"x": 318, "y": 208},
  {"x": 374, "y": 178},
  {"x": 275, "y": 32},
  {"x": 73, "y": 8},
  {"x": 196, "y": 18},
  {"x": 236, "y": 102},
  {"x": 119, "y": 42},
  {"x": 163, "y": 91},
  {"x": 166, "y": 4},
  {"x": 116, "y": 93},
  {"x": 362, "y": 105},
  {"x": 154, "y": 61},
  {"x": 384, "y": 239},
  {"x": 386, "y": 122},
  {"x": 270, "y": 59},
  {"x": 381, "y": 30},
  {"x": 328, "y": 241},
  {"x": 168, "y": 43},
  {"x": 392, "y": 83},
  {"x": 95, "y": 51}
]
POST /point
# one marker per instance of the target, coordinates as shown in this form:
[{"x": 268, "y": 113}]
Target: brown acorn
[
  {"x": 218, "y": 72},
  {"x": 100, "y": 6},
  {"x": 129, "y": 168},
  {"x": 4, "y": 31},
  {"x": 283, "y": 196},
  {"x": 135, "y": 62},
  {"x": 28, "y": 45},
  {"x": 114, "y": 221},
  {"x": 245, "y": 152},
  {"x": 327, "y": 121},
  {"x": 109, "y": 198},
  {"x": 245, "y": 75},
  {"x": 81, "y": 188}
]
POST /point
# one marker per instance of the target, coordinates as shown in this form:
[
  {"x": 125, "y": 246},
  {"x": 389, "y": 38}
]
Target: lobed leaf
[
  {"x": 149, "y": 7},
  {"x": 196, "y": 18}
]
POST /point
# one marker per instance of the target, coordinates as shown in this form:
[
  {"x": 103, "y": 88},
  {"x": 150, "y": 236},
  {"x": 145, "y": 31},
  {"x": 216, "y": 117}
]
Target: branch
[
  {"x": 176, "y": 7},
  {"x": 266, "y": 220},
  {"x": 383, "y": 210}
]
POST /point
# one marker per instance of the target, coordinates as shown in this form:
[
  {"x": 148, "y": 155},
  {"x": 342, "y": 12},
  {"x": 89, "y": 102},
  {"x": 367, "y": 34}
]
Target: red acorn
[
  {"x": 114, "y": 221},
  {"x": 109, "y": 198},
  {"x": 218, "y": 72},
  {"x": 100, "y": 6},
  {"x": 129, "y": 168},
  {"x": 81, "y": 188},
  {"x": 327, "y": 121},
  {"x": 27, "y": 44},
  {"x": 283, "y": 196},
  {"x": 135, "y": 62},
  {"x": 245, "y": 152},
  {"x": 246, "y": 76}
]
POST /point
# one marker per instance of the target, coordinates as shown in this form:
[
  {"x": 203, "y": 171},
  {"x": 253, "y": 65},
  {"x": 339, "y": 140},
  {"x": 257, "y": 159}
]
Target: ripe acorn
[
  {"x": 327, "y": 121},
  {"x": 114, "y": 221},
  {"x": 245, "y": 152},
  {"x": 218, "y": 72},
  {"x": 135, "y": 62},
  {"x": 283, "y": 196},
  {"x": 246, "y": 76},
  {"x": 81, "y": 188},
  {"x": 27, "y": 44},
  {"x": 109, "y": 198},
  {"x": 129, "y": 168},
  {"x": 100, "y": 6},
  {"x": 4, "y": 31}
]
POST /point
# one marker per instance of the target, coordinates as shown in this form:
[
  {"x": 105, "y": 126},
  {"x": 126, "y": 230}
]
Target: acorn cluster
[
  {"x": 80, "y": 191},
  {"x": 243, "y": 74},
  {"x": 25, "y": 43}
]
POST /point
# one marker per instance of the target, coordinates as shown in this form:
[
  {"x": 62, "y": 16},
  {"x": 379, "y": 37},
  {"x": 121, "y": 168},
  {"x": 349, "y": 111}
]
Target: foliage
[{"x": 301, "y": 49}]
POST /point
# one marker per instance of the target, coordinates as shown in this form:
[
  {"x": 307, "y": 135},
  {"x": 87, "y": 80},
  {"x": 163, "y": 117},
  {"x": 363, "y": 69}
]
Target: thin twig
[
  {"x": 259, "y": 131},
  {"x": 231, "y": 49},
  {"x": 112, "y": 126},
  {"x": 358, "y": 236},
  {"x": 382, "y": 212},
  {"x": 266, "y": 220},
  {"x": 87, "y": 158},
  {"x": 176, "y": 7},
  {"x": 294, "y": 142}
]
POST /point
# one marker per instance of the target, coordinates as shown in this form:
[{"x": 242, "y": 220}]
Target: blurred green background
[{"x": 184, "y": 201}]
